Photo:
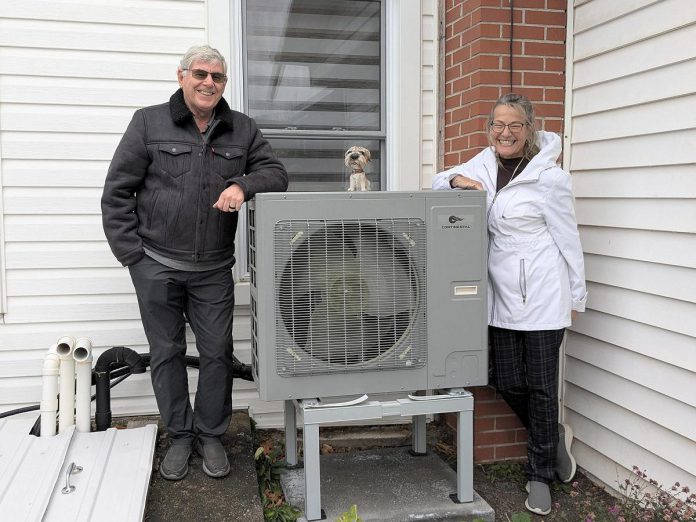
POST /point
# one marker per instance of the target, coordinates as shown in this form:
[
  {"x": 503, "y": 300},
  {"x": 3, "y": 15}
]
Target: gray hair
[
  {"x": 523, "y": 106},
  {"x": 202, "y": 53}
]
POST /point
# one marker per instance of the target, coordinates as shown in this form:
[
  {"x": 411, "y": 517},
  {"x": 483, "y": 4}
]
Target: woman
[{"x": 536, "y": 276}]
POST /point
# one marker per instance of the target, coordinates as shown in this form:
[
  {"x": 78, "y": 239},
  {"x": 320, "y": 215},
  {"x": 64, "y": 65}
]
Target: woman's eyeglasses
[
  {"x": 202, "y": 74},
  {"x": 498, "y": 126}
]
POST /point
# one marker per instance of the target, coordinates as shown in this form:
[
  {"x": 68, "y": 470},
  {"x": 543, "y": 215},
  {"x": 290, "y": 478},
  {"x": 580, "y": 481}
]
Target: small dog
[{"x": 356, "y": 158}]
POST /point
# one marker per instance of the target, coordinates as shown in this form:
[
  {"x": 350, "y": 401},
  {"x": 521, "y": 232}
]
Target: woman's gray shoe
[
  {"x": 539, "y": 498},
  {"x": 215, "y": 463},
  {"x": 175, "y": 463},
  {"x": 565, "y": 462}
]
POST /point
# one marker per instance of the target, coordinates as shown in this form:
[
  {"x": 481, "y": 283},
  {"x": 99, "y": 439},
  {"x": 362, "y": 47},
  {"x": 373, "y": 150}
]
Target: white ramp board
[
  {"x": 112, "y": 485},
  {"x": 29, "y": 468}
]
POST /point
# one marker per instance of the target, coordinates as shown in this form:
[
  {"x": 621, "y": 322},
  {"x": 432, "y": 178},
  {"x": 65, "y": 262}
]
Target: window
[{"x": 314, "y": 83}]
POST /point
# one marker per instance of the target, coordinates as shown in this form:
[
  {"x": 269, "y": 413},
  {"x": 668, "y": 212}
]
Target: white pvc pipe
[
  {"x": 66, "y": 404},
  {"x": 49, "y": 392},
  {"x": 83, "y": 384}
]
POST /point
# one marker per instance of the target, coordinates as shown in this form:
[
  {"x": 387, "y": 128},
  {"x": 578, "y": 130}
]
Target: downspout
[
  {"x": 66, "y": 404},
  {"x": 83, "y": 385},
  {"x": 112, "y": 359},
  {"x": 49, "y": 391}
]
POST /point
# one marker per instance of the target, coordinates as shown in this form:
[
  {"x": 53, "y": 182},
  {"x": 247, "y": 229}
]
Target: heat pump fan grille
[{"x": 350, "y": 295}]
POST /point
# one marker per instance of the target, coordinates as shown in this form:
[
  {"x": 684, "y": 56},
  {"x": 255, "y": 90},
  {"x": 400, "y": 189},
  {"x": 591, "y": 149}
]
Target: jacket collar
[{"x": 181, "y": 113}]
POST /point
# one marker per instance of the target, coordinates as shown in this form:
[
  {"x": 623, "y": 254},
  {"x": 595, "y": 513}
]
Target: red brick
[
  {"x": 554, "y": 126},
  {"x": 487, "y": 424},
  {"x": 451, "y": 160},
  {"x": 555, "y": 33},
  {"x": 482, "y": 393},
  {"x": 549, "y": 110},
  {"x": 500, "y": 14},
  {"x": 544, "y": 49},
  {"x": 530, "y": 4},
  {"x": 511, "y": 451},
  {"x": 495, "y": 438},
  {"x": 554, "y": 95},
  {"x": 491, "y": 77},
  {"x": 503, "y": 422},
  {"x": 527, "y": 32},
  {"x": 561, "y": 5},
  {"x": 551, "y": 79},
  {"x": 461, "y": 85},
  {"x": 453, "y": 102},
  {"x": 554, "y": 65},
  {"x": 483, "y": 455},
  {"x": 479, "y": 140},
  {"x": 466, "y": 155},
  {"x": 535, "y": 94},
  {"x": 524, "y": 63},
  {"x": 545, "y": 17}
]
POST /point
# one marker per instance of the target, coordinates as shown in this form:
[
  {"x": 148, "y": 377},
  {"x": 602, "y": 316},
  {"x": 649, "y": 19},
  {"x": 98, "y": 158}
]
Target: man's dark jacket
[{"x": 164, "y": 179}]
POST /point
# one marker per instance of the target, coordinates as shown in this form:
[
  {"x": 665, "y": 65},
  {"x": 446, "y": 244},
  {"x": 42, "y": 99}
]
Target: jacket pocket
[
  {"x": 227, "y": 161},
  {"x": 523, "y": 281},
  {"x": 174, "y": 158}
]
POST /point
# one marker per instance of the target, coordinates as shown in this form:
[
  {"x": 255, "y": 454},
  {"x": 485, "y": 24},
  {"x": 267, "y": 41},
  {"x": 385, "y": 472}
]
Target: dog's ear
[{"x": 368, "y": 157}]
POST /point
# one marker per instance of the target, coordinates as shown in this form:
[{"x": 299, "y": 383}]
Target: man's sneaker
[
  {"x": 565, "y": 462},
  {"x": 539, "y": 498},
  {"x": 175, "y": 463},
  {"x": 215, "y": 463}
]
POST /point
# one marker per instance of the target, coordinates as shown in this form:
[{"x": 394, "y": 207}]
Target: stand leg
[
  {"x": 465, "y": 456},
  {"x": 419, "y": 435},
  {"x": 290, "y": 434},
  {"x": 311, "y": 470}
]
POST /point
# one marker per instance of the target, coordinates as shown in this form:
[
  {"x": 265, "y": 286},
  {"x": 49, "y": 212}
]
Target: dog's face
[{"x": 357, "y": 157}]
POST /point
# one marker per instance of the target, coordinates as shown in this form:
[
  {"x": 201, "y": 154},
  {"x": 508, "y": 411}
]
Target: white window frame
[{"x": 403, "y": 108}]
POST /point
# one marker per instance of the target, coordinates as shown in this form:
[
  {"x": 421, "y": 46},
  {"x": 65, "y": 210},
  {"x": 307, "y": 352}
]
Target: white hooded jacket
[{"x": 535, "y": 262}]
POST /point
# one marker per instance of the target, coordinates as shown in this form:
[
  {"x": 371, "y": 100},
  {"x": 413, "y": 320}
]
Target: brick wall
[
  {"x": 477, "y": 66},
  {"x": 477, "y": 72}
]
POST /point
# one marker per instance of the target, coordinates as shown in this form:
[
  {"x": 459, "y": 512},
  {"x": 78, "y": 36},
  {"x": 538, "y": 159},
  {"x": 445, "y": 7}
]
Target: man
[{"x": 177, "y": 179}]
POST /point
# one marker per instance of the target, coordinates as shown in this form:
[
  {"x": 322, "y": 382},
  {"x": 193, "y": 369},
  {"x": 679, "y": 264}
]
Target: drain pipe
[
  {"x": 83, "y": 384},
  {"x": 112, "y": 359},
  {"x": 49, "y": 391},
  {"x": 66, "y": 404}
]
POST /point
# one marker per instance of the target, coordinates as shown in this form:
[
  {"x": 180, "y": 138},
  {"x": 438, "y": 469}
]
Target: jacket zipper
[{"x": 523, "y": 282}]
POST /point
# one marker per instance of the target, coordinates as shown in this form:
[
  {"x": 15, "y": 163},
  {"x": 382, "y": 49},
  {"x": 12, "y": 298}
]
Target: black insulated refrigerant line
[{"x": 112, "y": 359}]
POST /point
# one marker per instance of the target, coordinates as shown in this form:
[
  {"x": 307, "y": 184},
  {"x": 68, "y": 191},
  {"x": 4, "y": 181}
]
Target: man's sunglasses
[{"x": 202, "y": 74}]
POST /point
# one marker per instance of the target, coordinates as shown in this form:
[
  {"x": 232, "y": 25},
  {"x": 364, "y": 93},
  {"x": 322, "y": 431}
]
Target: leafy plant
[
  {"x": 505, "y": 470},
  {"x": 646, "y": 501},
  {"x": 269, "y": 465},
  {"x": 350, "y": 516}
]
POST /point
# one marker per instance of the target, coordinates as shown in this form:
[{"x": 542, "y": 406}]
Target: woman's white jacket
[{"x": 535, "y": 263}]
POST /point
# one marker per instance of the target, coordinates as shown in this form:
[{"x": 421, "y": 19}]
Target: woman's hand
[
  {"x": 573, "y": 315},
  {"x": 463, "y": 182}
]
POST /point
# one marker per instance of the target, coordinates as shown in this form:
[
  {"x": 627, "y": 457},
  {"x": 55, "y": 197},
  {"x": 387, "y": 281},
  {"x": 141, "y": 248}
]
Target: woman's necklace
[{"x": 514, "y": 172}]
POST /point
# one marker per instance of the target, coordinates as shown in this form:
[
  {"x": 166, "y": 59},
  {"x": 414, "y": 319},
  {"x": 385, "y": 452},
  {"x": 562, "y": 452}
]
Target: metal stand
[{"x": 313, "y": 413}]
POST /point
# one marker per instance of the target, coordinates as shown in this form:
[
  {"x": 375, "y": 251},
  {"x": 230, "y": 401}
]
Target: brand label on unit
[{"x": 454, "y": 221}]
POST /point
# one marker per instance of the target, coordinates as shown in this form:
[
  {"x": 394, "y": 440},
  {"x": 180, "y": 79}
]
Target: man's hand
[
  {"x": 465, "y": 183},
  {"x": 230, "y": 199}
]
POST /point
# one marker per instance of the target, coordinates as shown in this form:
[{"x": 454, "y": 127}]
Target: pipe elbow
[
  {"x": 65, "y": 346},
  {"x": 51, "y": 363},
  {"x": 121, "y": 356},
  {"x": 83, "y": 350}
]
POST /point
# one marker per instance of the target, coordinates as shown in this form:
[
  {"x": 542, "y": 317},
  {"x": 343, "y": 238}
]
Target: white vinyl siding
[
  {"x": 71, "y": 75},
  {"x": 630, "y": 367}
]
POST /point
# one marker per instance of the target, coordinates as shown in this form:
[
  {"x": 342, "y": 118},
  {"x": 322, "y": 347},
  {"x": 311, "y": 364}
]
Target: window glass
[{"x": 314, "y": 83}]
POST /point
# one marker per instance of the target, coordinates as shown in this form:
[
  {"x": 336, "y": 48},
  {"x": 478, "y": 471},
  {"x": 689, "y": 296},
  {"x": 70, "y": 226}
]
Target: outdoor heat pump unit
[{"x": 369, "y": 292}]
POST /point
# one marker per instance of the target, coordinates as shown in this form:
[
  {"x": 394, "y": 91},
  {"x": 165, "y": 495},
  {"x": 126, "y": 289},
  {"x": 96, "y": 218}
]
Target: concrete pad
[{"x": 387, "y": 485}]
